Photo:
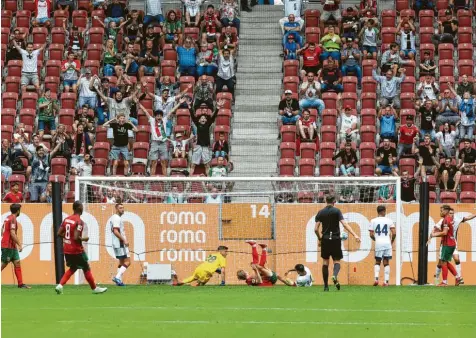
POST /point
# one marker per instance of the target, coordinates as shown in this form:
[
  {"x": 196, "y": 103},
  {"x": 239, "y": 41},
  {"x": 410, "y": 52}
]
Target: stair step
[
  {"x": 277, "y": 76},
  {"x": 247, "y": 150}
]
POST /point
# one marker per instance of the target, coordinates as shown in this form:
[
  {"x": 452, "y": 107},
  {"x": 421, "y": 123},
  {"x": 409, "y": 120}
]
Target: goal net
[{"x": 179, "y": 220}]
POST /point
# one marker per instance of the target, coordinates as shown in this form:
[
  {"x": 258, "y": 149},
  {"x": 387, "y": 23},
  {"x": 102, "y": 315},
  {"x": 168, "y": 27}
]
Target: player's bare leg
[
  {"x": 4, "y": 265},
  {"x": 459, "y": 278},
  {"x": 377, "y": 270},
  {"x": 386, "y": 271},
  {"x": 335, "y": 273},
  {"x": 124, "y": 263}
]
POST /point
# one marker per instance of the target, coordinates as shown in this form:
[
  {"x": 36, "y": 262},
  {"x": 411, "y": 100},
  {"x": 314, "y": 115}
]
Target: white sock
[
  {"x": 120, "y": 272},
  {"x": 386, "y": 271},
  {"x": 438, "y": 272},
  {"x": 458, "y": 270},
  {"x": 376, "y": 271},
  {"x": 445, "y": 281}
]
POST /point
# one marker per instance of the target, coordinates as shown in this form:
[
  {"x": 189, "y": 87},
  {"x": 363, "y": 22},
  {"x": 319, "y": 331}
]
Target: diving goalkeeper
[{"x": 215, "y": 262}]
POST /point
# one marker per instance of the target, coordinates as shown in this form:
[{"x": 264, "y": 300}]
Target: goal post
[{"x": 179, "y": 220}]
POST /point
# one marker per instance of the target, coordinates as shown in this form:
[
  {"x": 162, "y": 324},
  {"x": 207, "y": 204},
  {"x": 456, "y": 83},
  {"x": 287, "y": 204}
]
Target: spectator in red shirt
[
  {"x": 307, "y": 126},
  {"x": 210, "y": 25},
  {"x": 14, "y": 195},
  {"x": 408, "y": 134},
  {"x": 310, "y": 54}
]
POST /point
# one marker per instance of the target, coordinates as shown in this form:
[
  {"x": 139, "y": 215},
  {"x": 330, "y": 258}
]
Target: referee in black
[{"x": 328, "y": 234}]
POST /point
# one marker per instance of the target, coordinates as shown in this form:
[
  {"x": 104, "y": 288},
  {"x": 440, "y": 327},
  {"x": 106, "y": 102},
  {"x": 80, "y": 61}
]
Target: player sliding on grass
[
  {"x": 457, "y": 222},
  {"x": 381, "y": 229},
  {"x": 71, "y": 231},
  {"x": 262, "y": 276},
  {"x": 119, "y": 244},
  {"x": 448, "y": 243},
  {"x": 11, "y": 244},
  {"x": 215, "y": 262},
  {"x": 304, "y": 277}
]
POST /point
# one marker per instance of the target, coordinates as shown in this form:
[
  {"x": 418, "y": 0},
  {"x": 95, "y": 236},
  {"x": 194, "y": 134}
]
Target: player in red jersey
[
  {"x": 71, "y": 231},
  {"x": 11, "y": 244},
  {"x": 448, "y": 243},
  {"x": 14, "y": 195},
  {"x": 262, "y": 276}
]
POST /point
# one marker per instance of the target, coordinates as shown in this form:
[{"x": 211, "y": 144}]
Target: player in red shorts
[
  {"x": 11, "y": 244},
  {"x": 262, "y": 275},
  {"x": 71, "y": 231}
]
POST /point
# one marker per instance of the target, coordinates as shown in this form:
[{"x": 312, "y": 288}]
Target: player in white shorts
[
  {"x": 119, "y": 244},
  {"x": 382, "y": 231},
  {"x": 458, "y": 220},
  {"x": 304, "y": 277}
]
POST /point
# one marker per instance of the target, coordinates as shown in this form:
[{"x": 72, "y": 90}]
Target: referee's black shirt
[{"x": 330, "y": 218}]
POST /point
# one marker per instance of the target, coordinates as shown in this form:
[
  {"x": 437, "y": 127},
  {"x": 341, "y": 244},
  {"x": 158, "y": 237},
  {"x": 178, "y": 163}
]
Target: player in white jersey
[
  {"x": 458, "y": 220},
  {"x": 304, "y": 277},
  {"x": 382, "y": 231},
  {"x": 119, "y": 243},
  {"x": 292, "y": 7}
]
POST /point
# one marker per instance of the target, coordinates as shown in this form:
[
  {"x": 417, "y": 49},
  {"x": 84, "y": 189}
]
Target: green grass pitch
[{"x": 239, "y": 311}]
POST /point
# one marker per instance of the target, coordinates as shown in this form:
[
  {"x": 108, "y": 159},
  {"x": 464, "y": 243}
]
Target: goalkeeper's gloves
[{"x": 222, "y": 283}]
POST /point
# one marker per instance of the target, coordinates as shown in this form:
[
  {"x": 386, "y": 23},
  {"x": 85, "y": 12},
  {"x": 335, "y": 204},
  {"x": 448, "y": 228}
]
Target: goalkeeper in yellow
[{"x": 215, "y": 262}]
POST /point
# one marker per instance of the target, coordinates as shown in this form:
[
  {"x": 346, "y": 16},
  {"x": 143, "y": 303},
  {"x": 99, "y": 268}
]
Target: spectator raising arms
[
  {"x": 226, "y": 71},
  {"x": 29, "y": 71},
  {"x": 389, "y": 85}
]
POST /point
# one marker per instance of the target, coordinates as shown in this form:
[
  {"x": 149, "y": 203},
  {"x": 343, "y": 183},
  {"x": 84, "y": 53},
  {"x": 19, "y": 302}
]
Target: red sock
[
  {"x": 452, "y": 269},
  {"x": 18, "y": 274},
  {"x": 262, "y": 260},
  {"x": 89, "y": 277},
  {"x": 254, "y": 253},
  {"x": 444, "y": 271},
  {"x": 67, "y": 275}
]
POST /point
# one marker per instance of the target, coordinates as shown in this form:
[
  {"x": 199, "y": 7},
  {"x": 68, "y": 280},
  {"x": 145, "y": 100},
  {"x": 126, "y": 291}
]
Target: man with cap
[
  {"x": 86, "y": 94},
  {"x": 215, "y": 262},
  {"x": 289, "y": 108},
  {"x": 351, "y": 60}
]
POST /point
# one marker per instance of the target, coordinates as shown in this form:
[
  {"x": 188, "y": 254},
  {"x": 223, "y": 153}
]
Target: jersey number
[
  {"x": 67, "y": 232},
  {"x": 384, "y": 230},
  {"x": 211, "y": 259}
]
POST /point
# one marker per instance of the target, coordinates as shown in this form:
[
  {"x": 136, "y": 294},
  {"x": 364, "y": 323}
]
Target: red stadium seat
[
  {"x": 468, "y": 197},
  {"x": 223, "y": 117},
  {"x": 52, "y": 83},
  {"x": 9, "y": 100},
  {"x": 68, "y": 101},
  {"x": 408, "y": 85},
  {"x": 58, "y": 17},
  {"x": 369, "y": 85},
  {"x": 5, "y": 34},
  {"x": 53, "y": 68},
  {"x": 183, "y": 117},
  {"x": 140, "y": 151},
  {"x": 445, "y": 51},
  {"x": 367, "y": 150},
  {"x": 465, "y": 67},
  {"x": 39, "y": 35},
  {"x": 291, "y": 68},
  {"x": 330, "y": 100},
  {"x": 185, "y": 81},
  {"x": 66, "y": 117},
  {"x": 80, "y": 18},
  {"x": 465, "y": 35},
  {"x": 367, "y": 66},
  {"x": 287, "y": 149},
  {"x": 464, "y": 18},
  {"x": 407, "y": 100},
  {"x": 8, "y": 116},
  {"x": 328, "y": 149},
  {"x": 96, "y": 35},
  {"x": 29, "y": 100},
  {"x": 410, "y": 67},
  {"x": 288, "y": 134},
  {"x": 99, "y": 166},
  {"x": 307, "y": 166},
  {"x": 7, "y": 132},
  {"x": 20, "y": 179},
  {"x": 369, "y": 100},
  {"x": 401, "y": 5},
  {"x": 448, "y": 197},
  {"x": 101, "y": 150},
  {"x": 328, "y": 133},
  {"x": 143, "y": 133},
  {"x": 23, "y": 18},
  {"x": 286, "y": 166},
  {"x": 6, "y": 18},
  {"x": 56, "y": 51},
  {"x": 367, "y": 167},
  {"x": 349, "y": 99},
  {"x": 58, "y": 35},
  {"x": 168, "y": 68},
  {"x": 94, "y": 51},
  {"x": 442, "y": 5},
  {"x": 368, "y": 117},
  {"x": 446, "y": 67},
  {"x": 11, "y": 5},
  {"x": 313, "y": 34},
  {"x": 291, "y": 83},
  {"x": 308, "y": 150},
  {"x": 85, "y": 5},
  {"x": 14, "y": 67},
  {"x": 27, "y": 116},
  {"x": 222, "y": 129},
  {"x": 426, "y": 33},
  {"x": 407, "y": 164},
  {"x": 94, "y": 65},
  {"x": 465, "y": 51},
  {"x": 432, "y": 197},
  {"x": 59, "y": 166},
  {"x": 193, "y": 32},
  {"x": 12, "y": 84},
  {"x": 329, "y": 117},
  {"x": 170, "y": 53},
  {"x": 427, "y": 18},
  {"x": 312, "y": 17},
  {"x": 388, "y": 34},
  {"x": 367, "y": 133},
  {"x": 101, "y": 16},
  {"x": 468, "y": 183},
  {"x": 443, "y": 82},
  {"x": 427, "y": 47},
  {"x": 404, "y": 113},
  {"x": 326, "y": 167},
  {"x": 350, "y": 84},
  {"x": 388, "y": 18},
  {"x": 29, "y": 5}
]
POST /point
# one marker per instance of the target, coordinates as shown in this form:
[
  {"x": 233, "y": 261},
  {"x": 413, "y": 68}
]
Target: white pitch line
[
  {"x": 241, "y": 309},
  {"x": 231, "y": 322}
]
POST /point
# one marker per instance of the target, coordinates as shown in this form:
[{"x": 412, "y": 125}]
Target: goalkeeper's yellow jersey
[{"x": 213, "y": 262}]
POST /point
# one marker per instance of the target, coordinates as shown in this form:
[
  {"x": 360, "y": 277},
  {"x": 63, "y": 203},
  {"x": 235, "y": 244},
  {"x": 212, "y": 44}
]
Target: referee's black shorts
[{"x": 331, "y": 248}]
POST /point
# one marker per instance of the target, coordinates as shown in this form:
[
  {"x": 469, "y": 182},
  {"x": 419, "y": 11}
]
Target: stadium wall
[{"x": 182, "y": 234}]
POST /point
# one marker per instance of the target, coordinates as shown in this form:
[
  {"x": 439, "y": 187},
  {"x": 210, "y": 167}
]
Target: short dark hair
[
  {"x": 29, "y": 43},
  {"x": 47, "y": 90},
  {"x": 330, "y": 199},
  {"x": 118, "y": 204},
  {"x": 393, "y": 45},
  {"x": 210, "y": 6},
  {"x": 158, "y": 112},
  {"x": 77, "y": 205},
  {"x": 381, "y": 208},
  {"x": 15, "y": 207},
  {"x": 39, "y": 148},
  {"x": 299, "y": 267},
  {"x": 14, "y": 184},
  {"x": 445, "y": 207},
  {"x": 426, "y": 52}
]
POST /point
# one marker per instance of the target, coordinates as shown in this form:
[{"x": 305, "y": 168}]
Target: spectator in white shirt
[
  {"x": 213, "y": 197},
  {"x": 348, "y": 126},
  {"x": 446, "y": 140},
  {"x": 43, "y": 9},
  {"x": 406, "y": 30},
  {"x": 85, "y": 167},
  {"x": 428, "y": 89},
  {"x": 29, "y": 71},
  {"x": 86, "y": 95},
  {"x": 226, "y": 71}
]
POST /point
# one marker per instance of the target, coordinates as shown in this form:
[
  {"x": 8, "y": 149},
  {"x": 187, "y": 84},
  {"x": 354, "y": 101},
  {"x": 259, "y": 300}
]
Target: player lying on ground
[
  {"x": 119, "y": 244},
  {"x": 71, "y": 231},
  {"x": 262, "y": 276},
  {"x": 458, "y": 220},
  {"x": 11, "y": 244},
  {"x": 382, "y": 231},
  {"x": 215, "y": 262},
  {"x": 304, "y": 277},
  {"x": 448, "y": 243}
]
